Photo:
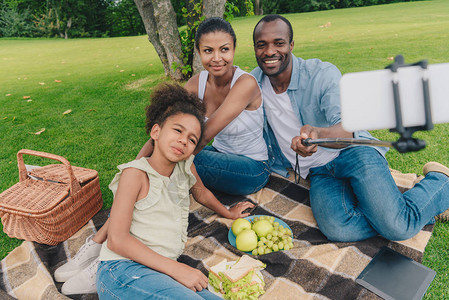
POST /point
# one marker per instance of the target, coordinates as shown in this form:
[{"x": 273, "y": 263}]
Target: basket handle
[{"x": 74, "y": 184}]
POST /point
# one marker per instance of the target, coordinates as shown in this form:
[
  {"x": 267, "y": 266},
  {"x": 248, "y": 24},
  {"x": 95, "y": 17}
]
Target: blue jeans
[
  {"x": 354, "y": 197},
  {"x": 231, "y": 173},
  {"x": 126, "y": 279}
]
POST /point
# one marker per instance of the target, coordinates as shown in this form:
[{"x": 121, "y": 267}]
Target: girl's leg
[
  {"x": 230, "y": 173},
  {"x": 126, "y": 279}
]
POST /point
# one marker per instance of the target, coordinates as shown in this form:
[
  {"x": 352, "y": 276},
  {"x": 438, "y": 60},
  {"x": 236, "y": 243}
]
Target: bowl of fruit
[{"x": 259, "y": 234}]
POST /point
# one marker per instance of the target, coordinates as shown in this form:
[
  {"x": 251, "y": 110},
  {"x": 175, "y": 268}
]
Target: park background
[{"x": 84, "y": 98}]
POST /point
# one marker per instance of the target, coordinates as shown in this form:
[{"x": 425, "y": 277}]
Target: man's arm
[{"x": 311, "y": 132}]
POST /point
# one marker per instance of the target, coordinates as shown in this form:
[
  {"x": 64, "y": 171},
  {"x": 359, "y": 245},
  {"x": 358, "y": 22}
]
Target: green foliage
[
  {"x": 230, "y": 10},
  {"x": 194, "y": 17},
  {"x": 14, "y": 23},
  {"x": 295, "y": 6}
]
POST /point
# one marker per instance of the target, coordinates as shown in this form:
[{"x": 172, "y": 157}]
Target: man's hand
[
  {"x": 190, "y": 277},
  {"x": 306, "y": 132}
]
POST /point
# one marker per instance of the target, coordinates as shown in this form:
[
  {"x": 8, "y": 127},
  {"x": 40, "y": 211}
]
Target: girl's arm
[
  {"x": 133, "y": 185},
  {"x": 245, "y": 92},
  {"x": 204, "y": 196}
]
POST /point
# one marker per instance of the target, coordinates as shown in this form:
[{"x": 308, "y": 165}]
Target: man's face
[{"x": 272, "y": 47}]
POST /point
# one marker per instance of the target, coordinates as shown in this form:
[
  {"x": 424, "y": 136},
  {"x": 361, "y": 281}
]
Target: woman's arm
[
  {"x": 205, "y": 197},
  {"x": 146, "y": 150},
  {"x": 243, "y": 94},
  {"x": 133, "y": 186}
]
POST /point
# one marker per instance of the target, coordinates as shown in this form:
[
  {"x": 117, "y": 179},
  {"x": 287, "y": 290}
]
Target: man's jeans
[
  {"x": 126, "y": 279},
  {"x": 231, "y": 173},
  {"x": 354, "y": 197}
]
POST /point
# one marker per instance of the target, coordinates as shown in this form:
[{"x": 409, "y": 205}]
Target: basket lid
[
  {"x": 33, "y": 196},
  {"x": 58, "y": 173}
]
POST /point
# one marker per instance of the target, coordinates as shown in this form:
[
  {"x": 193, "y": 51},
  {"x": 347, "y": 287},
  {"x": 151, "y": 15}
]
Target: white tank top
[{"x": 244, "y": 134}]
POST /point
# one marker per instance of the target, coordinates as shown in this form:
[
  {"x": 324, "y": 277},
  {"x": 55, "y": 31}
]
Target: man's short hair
[{"x": 270, "y": 18}]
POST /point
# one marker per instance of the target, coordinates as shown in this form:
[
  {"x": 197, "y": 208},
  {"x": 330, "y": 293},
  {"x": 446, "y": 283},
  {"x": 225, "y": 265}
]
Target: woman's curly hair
[{"x": 171, "y": 99}]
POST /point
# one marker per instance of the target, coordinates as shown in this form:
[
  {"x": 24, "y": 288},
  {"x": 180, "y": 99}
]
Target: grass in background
[{"x": 106, "y": 84}]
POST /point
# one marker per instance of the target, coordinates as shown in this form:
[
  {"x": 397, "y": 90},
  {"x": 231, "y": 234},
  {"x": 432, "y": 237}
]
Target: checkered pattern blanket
[{"x": 314, "y": 269}]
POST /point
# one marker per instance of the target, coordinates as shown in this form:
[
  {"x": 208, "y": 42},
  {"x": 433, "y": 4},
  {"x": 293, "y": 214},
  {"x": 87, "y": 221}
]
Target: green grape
[
  {"x": 270, "y": 244},
  {"x": 286, "y": 247},
  {"x": 281, "y": 227},
  {"x": 275, "y": 247},
  {"x": 263, "y": 239},
  {"x": 275, "y": 224},
  {"x": 268, "y": 250},
  {"x": 281, "y": 245},
  {"x": 290, "y": 244},
  {"x": 281, "y": 231},
  {"x": 269, "y": 236},
  {"x": 272, "y": 218},
  {"x": 255, "y": 252},
  {"x": 260, "y": 243},
  {"x": 275, "y": 233},
  {"x": 290, "y": 239},
  {"x": 261, "y": 250},
  {"x": 275, "y": 239},
  {"x": 255, "y": 219},
  {"x": 288, "y": 232}
]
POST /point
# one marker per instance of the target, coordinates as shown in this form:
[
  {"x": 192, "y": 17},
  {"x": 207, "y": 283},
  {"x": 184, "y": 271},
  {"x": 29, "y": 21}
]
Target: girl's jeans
[
  {"x": 231, "y": 173},
  {"x": 354, "y": 197},
  {"x": 126, "y": 279}
]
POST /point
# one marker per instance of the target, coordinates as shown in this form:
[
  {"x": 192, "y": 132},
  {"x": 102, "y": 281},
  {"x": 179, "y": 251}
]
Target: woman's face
[{"x": 216, "y": 51}]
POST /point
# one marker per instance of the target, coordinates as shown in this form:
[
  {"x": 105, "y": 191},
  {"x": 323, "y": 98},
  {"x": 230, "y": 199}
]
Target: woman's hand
[
  {"x": 236, "y": 210},
  {"x": 190, "y": 277}
]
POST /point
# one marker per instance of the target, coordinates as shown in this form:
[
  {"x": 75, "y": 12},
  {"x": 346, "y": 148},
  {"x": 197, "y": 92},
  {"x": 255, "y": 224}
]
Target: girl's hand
[
  {"x": 190, "y": 277},
  {"x": 236, "y": 210}
]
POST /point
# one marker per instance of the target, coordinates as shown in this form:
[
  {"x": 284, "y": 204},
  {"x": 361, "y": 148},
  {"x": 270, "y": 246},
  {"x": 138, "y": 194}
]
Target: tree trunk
[
  {"x": 211, "y": 8},
  {"x": 159, "y": 19},
  {"x": 257, "y": 11}
]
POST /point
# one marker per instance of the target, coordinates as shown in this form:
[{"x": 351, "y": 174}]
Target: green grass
[{"x": 106, "y": 83}]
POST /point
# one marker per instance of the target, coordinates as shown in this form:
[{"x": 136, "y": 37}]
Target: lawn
[{"x": 105, "y": 86}]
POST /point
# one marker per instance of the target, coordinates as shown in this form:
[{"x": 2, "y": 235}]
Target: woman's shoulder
[{"x": 192, "y": 84}]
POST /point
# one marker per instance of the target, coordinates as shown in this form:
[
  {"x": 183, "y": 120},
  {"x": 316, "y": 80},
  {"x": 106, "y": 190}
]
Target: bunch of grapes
[{"x": 279, "y": 239}]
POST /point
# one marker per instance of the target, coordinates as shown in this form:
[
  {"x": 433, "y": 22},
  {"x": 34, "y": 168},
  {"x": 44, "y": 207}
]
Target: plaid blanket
[{"x": 314, "y": 269}]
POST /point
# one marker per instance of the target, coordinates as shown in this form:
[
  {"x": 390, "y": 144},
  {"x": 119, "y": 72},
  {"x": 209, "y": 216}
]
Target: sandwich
[{"x": 242, "y": 280}]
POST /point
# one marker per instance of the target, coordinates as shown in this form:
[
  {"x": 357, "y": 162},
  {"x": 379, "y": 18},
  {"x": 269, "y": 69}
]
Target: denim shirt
[{"x": 314, "y": 93}]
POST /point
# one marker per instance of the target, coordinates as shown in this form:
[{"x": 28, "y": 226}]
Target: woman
[{"x": 236, "y": 162}]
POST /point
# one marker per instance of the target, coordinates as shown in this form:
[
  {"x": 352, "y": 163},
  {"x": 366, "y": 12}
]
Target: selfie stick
[{"x": 405, "y": 143}]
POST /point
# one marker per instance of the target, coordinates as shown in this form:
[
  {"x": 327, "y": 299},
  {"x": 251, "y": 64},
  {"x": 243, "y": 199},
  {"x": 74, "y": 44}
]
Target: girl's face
[
  {"x": 177, "y": 138},
  {"x": 216, "y": 51}
]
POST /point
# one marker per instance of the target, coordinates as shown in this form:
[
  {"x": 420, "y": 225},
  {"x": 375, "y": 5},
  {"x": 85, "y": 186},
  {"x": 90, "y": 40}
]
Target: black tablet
[{"x": 394, "y": 276}]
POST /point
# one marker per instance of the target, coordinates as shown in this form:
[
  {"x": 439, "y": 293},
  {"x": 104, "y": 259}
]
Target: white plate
[{"x": 211, "y": 288}]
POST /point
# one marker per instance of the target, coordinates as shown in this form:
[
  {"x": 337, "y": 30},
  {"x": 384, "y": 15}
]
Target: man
[{"x": 353, "y": 195}]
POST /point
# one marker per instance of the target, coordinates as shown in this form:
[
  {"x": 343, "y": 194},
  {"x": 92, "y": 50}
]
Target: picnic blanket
[{"x": 315, "y": 268}]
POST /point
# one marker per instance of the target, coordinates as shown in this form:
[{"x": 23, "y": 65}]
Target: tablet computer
[{"x": 392, "y": 275}]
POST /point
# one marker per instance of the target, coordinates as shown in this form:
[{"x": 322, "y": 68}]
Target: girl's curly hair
[{"x": 171, "y": 99}]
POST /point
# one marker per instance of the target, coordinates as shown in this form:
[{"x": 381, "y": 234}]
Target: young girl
[
  {"x": 147, "y": 228},
  {"x": 236, "y": 162}
]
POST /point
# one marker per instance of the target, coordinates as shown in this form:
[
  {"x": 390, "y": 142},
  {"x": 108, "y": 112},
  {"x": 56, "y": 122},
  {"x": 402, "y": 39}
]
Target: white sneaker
[
  {"x": 85, "y": 282},
  {"x": 85, "y": 255}
]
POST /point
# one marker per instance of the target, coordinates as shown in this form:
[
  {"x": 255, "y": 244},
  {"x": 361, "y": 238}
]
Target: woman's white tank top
[{"x": 244, "y": 134}]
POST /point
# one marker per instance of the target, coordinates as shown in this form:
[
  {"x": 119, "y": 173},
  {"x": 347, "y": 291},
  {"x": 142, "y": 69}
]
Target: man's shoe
[
  {"x": 85, "y": 282},
  {"x": 85, "y": 255},
  {"x": 435, "y": 167}
]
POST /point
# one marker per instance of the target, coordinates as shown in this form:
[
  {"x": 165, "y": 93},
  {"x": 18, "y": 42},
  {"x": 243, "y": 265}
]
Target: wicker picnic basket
[{"x": 49, "y": 204}]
